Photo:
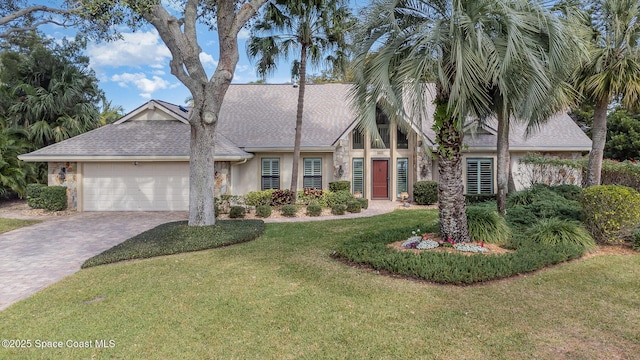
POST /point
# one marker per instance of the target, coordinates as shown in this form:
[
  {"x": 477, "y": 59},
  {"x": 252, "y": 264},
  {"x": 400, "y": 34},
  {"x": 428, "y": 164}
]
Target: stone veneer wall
[
  {"x": 65, "y": 174},
  {"x": 342, "y": 157},
  {"x": 222, "y": 174},
  {"x": 424, "y": 165}
]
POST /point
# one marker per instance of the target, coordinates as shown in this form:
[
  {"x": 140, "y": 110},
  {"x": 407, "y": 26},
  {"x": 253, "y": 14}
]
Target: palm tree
[
  {"x": 109, "y": 113},
  {"x": 613, "y": 69},
  {"x": 312, "y": 29},
  {"x": 477, "y": 54}
]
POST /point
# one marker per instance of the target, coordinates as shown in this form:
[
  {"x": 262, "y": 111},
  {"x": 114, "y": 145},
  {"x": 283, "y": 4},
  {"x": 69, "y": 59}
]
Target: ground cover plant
[
  {"x": 177, "y": 237},
  {"x": 283, "y": 296},
  {"x": 12, "y": 224}
]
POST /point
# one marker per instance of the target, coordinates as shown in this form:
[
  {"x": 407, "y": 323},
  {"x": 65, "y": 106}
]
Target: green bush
[
  {"x": 237, "y": 212},
  {"x": 289, "y": 210},
  {"x": 557, "y": 231},
  {"x": 309, "y": 194},
  {"x": 338, "y": 209},
  {"x": 353, "y": 206},
  {"x": 54, "y": 198},
  {"x": 479, "y": 198},
  {"x": 314, "y": 209},
  {"x": 342, "y": 185},
  {"x": 611, "y": 212},
  {"x": 371, "y": 249},
  {"x": 519, "y": 217},
  {"x": 425, "y": 192},
  {"x": 258, "y": 198},
  {"x": 263, "y": 211},
  {"x": 636, "y": 240},
  {"x": 569, "y": 192},
  {"x": 625, "y": 173},
  {"x": 34, "y": 192},
  {"x": 339, "y": 197},
  {"x": 485, "y": 224},
  {"x": 364, "y": 203}
]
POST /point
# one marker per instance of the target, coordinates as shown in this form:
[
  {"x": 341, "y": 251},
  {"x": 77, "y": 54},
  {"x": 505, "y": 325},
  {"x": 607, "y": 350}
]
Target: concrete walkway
[{"x": 36, "y": 256}]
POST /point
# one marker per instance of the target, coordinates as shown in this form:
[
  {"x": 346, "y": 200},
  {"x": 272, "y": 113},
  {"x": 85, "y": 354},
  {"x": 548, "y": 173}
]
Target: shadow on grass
[{"x": 177, "y": 237}]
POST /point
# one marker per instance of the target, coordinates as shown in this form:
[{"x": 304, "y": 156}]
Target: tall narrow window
[
  {"x": 312, "y": 173},
  {"x": 479, "y": 176},
  {"x": 358, "y": 175},
  {"x": 270, "y": 173},
  {"x": 382, "y": 123},
  {"x": 402, "y": 140},
  {"x": 402, "y": 168},
  {"x": 357, "y": 139}
]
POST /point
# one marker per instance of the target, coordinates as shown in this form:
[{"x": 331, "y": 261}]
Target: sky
[{"x": 135, "y": 69}]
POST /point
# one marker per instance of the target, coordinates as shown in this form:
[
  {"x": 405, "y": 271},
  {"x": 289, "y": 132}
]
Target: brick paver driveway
[{"x": 34, "y": 257}]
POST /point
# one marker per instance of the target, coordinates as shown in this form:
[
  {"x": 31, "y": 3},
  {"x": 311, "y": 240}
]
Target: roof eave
[
  {"x": 289, "y": 149},
  {"x": 96, "y": 158}
]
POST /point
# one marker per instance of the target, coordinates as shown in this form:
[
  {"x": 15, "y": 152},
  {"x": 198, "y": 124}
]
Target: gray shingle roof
[{"x": 263, "y": 117}]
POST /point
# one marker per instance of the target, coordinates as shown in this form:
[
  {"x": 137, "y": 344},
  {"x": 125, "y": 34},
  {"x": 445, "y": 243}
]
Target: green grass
[
  {"x": 12, "y": 224},
  {"x": 283, "y": 296},
  {"x": 177, "y": 237}
]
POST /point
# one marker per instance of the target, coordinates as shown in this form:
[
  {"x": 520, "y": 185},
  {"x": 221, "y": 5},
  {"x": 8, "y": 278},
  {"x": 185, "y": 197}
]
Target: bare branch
[
  {"x": 33, "y": 9},
  {"x": 33, "y": 27}
]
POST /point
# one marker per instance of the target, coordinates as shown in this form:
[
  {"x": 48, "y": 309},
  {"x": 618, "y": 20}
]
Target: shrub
[
  {"x": 624, "y": 173},
  {"x": 353, "y": 206},
  {"x": 309, "y": 194},
  {"x": 54, "y": 198},
  {"x": 33, "y": 196},
  {"x": 520, "y": 217},
  {"x": 216, "y": 207},
  {"x": 611, "y": 212},
  {"x": 338, "y": 209},
  {"x": 289, "y": 210},
  {"x": 258, "y": 198},
  {"x": 478, "y": 198},
  {"x": 636, "y": 240},
  {"x": 485, "y": 224},
  {"x": 425, "y": 192},
  {"x": 281, "y": 197},
  {"x": 567, "y": 191},
  {"x": 314, "y": 209},
  {"x": 557, "y": 231},
  {"x": 341, "y": 185},
  {"x": 237, "y": 212},
  {"x": 364, "y": 203},
  {"x": 338, "y": 197},
  {"x": 263, "y": 211}
]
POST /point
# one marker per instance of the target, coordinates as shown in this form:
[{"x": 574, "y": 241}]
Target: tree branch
[{"x": 30, "y": 10}]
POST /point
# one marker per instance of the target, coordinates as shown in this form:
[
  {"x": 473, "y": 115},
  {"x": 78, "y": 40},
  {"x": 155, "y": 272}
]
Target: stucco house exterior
[{"x": 141, "y": 162}]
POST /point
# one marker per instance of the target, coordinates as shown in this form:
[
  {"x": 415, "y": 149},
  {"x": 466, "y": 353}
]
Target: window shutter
[
  {"x": 402, "y": 176},
  {"x": 472, "y": 177},
  {"x": 358, "y": 175},
  {"x": 479, "y": 176},
  {"x": 312, "y": 173}
]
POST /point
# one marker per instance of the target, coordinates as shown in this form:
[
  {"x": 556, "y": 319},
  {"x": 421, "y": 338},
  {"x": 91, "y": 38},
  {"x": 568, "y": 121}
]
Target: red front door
[{"x": 380, "y": 179}]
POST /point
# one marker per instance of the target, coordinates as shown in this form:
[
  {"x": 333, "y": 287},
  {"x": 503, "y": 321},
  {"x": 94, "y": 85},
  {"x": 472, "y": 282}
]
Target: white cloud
[
  {"x": 134, "y": 49},
  {"x": 207, "y": 59},
  {"x": 145, "y": 85},
  {"x": 243, "y": 34}
]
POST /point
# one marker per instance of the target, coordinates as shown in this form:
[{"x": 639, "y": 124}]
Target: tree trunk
[
  {"x": 299, "y": 113},
  {"x": 504, "y": 162},
  {"x": 202, "y": 166},
  {"x": 451, "y": 206},
  {"x": 599, "y": 138}
]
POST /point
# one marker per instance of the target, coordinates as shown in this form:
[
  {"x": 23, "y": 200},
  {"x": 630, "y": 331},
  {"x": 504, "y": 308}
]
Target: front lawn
[
  {"x": 283, "y": 296},
  {"x": 12, "y": 224}
]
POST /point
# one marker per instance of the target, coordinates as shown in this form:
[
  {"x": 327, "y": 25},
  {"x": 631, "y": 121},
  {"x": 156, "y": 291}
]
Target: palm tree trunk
[
  {"x": 598, "y": 138},
  {"x": 451, "y": 206},
  {"x": 298, "y": 139},
  {"x": 504, "y": 162}
]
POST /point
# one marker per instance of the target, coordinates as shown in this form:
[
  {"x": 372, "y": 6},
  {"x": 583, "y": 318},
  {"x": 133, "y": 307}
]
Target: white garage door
[{"x": 159, "y": 186}]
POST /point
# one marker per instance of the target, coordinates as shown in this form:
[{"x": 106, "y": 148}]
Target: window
[
  {"x": 312, "y": 173},
  {"x": 479, "y": 176},
  {"x": 357, "y": 139},
  {"x": 358, "y": 175},
  {"x": 382, "y": 123},
  {"x": 402, "y": 141},
  {"x": 402, "y": 177},
  {"x": 270, "y": 173}
]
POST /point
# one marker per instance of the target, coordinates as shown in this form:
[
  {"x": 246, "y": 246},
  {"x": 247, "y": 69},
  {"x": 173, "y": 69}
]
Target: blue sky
[{"x": 136, "y": 69}]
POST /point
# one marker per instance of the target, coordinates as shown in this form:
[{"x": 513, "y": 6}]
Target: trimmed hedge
[
  {"x": 338, "y": 209},
  {"x": 34, "y": 192},
  {"x": 340, "y": 185},
  {"x": 258, "y": 198},
  {"x": 612, "y": 212},
  {"x": 314, "y": 209},
  {"x": 353, "y": 206},
  {"x": 54, "y": 198},
  {"x": 370, "y": 249},
  {"x": 425, "y": 192},
  {"x": 364, "y": 203},
  {"x": 237, "y": 212},
  {"x": 339, "y": 197},
  {"x": 263, "y": 211},
  {"x": 289, "y": 210}
]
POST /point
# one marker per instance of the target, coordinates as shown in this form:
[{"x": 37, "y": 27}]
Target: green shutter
[
  {"x": 312, "y": 173},
  {"x": 270, "y": 173},
  {"x": 479, "y": 176},
  {"x": 358, "y": 175}
]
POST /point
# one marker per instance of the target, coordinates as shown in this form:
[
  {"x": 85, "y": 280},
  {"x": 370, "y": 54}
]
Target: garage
[{"x": 135, "y": 186}]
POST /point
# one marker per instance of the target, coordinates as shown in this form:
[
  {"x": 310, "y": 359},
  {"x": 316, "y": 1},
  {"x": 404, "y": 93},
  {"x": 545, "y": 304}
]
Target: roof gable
[{"x": 155, "y": 110}]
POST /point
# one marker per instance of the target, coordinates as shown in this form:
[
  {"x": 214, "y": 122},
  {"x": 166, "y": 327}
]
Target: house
[{"x": 141, "y": 162}]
